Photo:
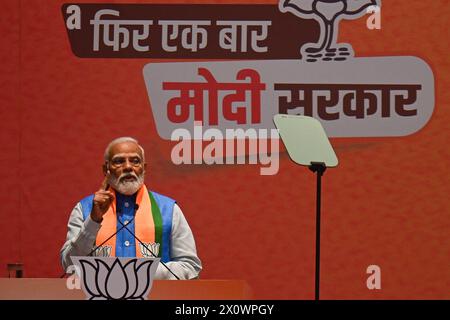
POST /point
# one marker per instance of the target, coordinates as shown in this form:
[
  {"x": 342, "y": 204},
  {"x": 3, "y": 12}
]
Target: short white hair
[{"x": 122, "y": 140}]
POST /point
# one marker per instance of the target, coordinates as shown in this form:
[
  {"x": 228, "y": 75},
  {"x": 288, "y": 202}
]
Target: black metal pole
[
  {"x": 319, "y": 168},
  {"x": 318, "y": 235}
]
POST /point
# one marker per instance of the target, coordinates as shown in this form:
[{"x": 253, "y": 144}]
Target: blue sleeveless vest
[{"x": 165, "y": 206}]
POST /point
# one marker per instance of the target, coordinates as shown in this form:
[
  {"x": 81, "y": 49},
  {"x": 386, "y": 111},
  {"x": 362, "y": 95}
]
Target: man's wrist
[{"x": 96, "y": 219}]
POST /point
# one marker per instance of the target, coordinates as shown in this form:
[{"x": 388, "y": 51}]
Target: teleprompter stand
[
  {"x": 318, "y": 168},
  {"x": 307, "y": 144}
]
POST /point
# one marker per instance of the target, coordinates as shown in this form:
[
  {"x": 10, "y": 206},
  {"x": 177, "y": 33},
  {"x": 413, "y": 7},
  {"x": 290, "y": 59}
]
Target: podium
[{"x": 56, "y": 289}]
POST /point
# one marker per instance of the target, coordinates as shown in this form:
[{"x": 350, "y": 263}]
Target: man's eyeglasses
[{"x": 117, "y": 162}]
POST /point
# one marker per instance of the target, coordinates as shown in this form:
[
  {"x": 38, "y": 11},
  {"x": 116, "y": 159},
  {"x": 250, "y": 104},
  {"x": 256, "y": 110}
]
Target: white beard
[{"x": 127, "y": 187}]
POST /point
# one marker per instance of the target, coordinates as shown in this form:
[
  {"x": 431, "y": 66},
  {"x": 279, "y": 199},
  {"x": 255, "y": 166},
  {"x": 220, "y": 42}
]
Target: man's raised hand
[{"x": 102, "y": 200}]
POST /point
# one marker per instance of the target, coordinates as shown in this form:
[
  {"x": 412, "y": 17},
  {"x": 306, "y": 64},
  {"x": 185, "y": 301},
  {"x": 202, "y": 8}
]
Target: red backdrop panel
[{"x": 386, "y": 204}]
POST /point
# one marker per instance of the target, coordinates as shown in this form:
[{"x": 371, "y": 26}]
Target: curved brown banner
[{"x": 186, "y": 31}]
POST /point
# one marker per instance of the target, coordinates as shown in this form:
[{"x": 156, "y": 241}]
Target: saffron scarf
[{"x": 148, "y": 224}]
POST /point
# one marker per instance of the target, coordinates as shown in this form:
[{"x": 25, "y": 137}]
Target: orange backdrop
[{"x": 386, "y": 204}]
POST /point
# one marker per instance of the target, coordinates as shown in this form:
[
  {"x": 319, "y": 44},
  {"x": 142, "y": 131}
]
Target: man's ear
[
  {"x": 145, "y": 166},
  {"x": 105, "y": 169}
]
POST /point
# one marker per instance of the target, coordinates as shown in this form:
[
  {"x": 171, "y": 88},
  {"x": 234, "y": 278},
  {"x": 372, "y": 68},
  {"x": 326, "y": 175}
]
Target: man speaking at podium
[{"x": 123, "y": 199}]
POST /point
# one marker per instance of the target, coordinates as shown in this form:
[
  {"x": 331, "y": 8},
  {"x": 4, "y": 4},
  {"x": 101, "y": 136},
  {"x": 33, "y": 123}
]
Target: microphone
[
  {"x": 124, "y": 226},
  {"x": 136, "y": 207},
  {"x": 93, "y": 250}
]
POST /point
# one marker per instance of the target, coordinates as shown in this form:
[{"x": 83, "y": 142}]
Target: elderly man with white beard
[{"x": 123, "y": 199}]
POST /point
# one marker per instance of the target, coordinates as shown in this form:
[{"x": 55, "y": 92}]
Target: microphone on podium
[
  {"x": 136, "y": 207},
  {"x": 124, "y": 226}
]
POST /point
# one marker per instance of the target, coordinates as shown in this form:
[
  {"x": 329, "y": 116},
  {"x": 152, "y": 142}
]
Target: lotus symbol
[
  {"x": 328, "y": 13},
  {"x": 109, "y": 278}
]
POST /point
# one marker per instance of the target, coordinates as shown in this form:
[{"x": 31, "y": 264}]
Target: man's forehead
[
  {"x": 128, "y": 148},
  {"x": 126, "y": 155}
]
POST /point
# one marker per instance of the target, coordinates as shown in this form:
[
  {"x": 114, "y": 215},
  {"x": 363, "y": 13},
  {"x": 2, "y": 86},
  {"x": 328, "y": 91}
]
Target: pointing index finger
[{"x": 105, "y": 184}]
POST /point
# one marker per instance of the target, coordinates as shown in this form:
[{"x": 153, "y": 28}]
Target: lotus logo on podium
[{"x": 108, "y": 278}]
